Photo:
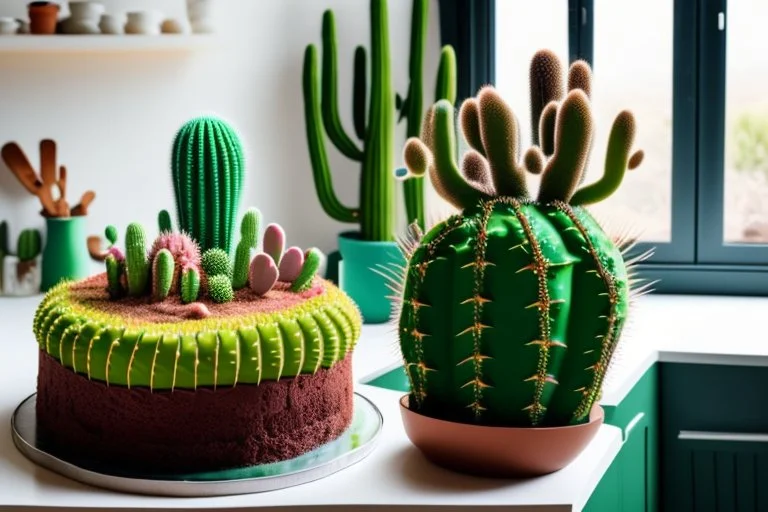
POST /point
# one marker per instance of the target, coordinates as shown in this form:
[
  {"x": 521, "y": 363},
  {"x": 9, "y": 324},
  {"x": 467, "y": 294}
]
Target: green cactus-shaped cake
[{"x": 512, "y": 309}]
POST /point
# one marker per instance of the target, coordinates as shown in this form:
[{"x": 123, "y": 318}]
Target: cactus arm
[
  {"x": 499, "y": 132},
  {"x": 162, "y": 274},
  {"x": 190, "y": 285},
  {"x": 475, "y": 170},
  {"x": 547, "y": 129},
  {"x": 377, "y": 184},
  {"x": 546, "y": 84},
  {"x": 320, "y": 168},
  {"x": 534, "y": 160},
  {"x": 330, "y": 100},
  {"x": 137, "y": 266},
  {"x": 164, "y": 222},
  {"x": 359, "y": 90},
  {"x": 445, "y": 89},
  {"x": 580, "y": 77},
  {"x": 469, "y": 117},
  {"x": 573, "y": 136},
  {"x": 616, "y": 162},
  {"x": 445, "y": 176},
  {"x": 308, "y": 270}
]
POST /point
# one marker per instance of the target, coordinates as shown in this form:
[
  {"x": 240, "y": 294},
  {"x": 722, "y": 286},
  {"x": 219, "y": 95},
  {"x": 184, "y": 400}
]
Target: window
[{"x": 694, "y": 74}]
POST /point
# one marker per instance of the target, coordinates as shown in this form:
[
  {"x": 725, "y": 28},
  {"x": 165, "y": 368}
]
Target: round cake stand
[{"x": 357, "y": 442}]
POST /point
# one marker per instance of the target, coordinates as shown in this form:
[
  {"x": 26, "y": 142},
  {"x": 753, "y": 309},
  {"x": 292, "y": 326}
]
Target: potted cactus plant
[
  {"x": 511, "y": 309},
  {"x": 368, "y": 251},
  {"x": 20, "y": 272}
]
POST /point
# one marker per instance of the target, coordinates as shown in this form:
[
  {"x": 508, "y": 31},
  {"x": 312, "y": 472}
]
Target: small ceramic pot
[
  {"x": 175, "y": 26},
  {"x": 23, "y": 27},
  {"x": 21, "y": 278},
  {"x": 143, "y": 22},
  {"x": 8, "y": 26},
  {"x": 200, "y": 14},
  {"x": 84, "y": 18},
  {"x": 111, "y": 24},
  {"x": 43, "y": 17},
  {"x": 501, "y": 452}
]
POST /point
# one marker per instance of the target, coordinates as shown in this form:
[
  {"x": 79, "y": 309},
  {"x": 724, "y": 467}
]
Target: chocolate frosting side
[{"x": 188, "y": 431}]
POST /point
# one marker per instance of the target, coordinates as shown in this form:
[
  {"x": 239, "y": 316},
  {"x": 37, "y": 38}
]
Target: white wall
[{"x": 114, "y": 115}]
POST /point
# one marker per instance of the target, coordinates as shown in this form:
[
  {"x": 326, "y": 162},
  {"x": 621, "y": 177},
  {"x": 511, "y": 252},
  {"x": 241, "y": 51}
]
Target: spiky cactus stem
[
  {"x": 162, "y": 274},
  {"x": 190, "y": 285},
  {"x": 115, "y": 276},
  {"x": 164, "y": 223},
  {"x": 249, "y": 228},
  {"x": 136, "y": 264},
  {"x": 308, "y": 270}
]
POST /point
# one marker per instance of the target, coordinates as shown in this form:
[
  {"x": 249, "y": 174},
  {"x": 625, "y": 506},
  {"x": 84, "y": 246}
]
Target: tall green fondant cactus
[
  {"x": 249, "y": 229},
  {"x": 375, "y": 128},
  {"x": 207, "y": 171},
  {"x": 162, "y": 274},
  {"x": 136, "y": 263},
  {"x": 512, "y": 309}
]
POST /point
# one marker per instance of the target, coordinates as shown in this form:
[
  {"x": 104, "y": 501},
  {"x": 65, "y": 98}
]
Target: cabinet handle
[
  {"x": 632, "y": 424},
  {"x": 696, "y": 435}
]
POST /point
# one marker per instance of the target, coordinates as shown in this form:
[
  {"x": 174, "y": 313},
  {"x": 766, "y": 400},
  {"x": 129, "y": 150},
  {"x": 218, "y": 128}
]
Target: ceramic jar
[
  {"x": 200, "y": 14},
  {"x": 143, "y": 22},
  {"x": 8, "y": 26},
  {"x": 84, "y": 18},
  {"x": 175, "y": 26},
  {"x": 43, "y": 17},
  {"x": 111, "y": 24}
]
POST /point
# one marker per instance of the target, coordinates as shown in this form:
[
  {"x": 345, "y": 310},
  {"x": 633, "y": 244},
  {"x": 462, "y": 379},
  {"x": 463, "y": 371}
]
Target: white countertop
[{"x": 666, "y": 328}]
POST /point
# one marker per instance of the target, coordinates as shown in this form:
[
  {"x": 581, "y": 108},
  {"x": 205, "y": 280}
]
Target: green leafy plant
[
  {"x": 512, "y": 309},
  {"x": 375, "y": 129}
]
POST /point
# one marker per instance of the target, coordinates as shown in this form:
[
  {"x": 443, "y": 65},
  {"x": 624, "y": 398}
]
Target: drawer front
[{"x": 719, "y": 472}]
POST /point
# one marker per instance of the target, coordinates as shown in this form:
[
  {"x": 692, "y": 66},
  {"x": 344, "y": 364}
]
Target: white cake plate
[{"x": 354, "y": 445}]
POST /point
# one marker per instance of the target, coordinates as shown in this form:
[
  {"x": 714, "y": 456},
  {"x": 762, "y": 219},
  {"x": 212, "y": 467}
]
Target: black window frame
[{"x": 697, "y": 260}]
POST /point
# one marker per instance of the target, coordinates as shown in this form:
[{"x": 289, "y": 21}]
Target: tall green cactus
[
  {"x": 376, "y": 210},
  {"x": 249, "y": 228},
  {"x": 136, "y": 262},
  {"x": 29, "y": 245},
  {"x": 512, "y": 309},
  {"x": 162, "y": 274},
  {"x": 207, "y": 171}
]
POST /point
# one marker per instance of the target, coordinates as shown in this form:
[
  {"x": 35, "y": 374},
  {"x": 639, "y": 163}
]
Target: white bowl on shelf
[
  {"x": 143, "y": 22},
  {"x": 111, "y": 24},
  {"x": 8, "y": 26}
]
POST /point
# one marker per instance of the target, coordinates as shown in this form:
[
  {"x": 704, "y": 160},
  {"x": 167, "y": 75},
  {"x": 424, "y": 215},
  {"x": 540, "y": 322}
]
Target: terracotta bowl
[{"x": 504, "y": 452}]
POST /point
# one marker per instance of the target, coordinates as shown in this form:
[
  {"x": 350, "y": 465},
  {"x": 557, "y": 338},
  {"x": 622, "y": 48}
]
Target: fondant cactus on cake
[
  {"x": 208, "y": 167},
  {"x": 374, "y": 122},
  {"x": 512, "y": 309}
]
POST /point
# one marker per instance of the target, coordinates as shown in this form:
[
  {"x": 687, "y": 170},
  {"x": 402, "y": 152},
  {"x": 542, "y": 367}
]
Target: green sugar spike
[
  {"x": 190, "y": 285},
  {"x": 330, "y": 102},
  {"x": 547, "y": 128},
  {"x": 573, "y": 136},
  {"x": 546, "y": 83},
  {"x": 137, "y": 266},
  {"x": 115, "y": 272},
  {"x": 163, "y": 268},
  {"x": 220, "y": 289},
  {"x": 215, "y": 262},
  {"x": 321, "y": 171},
  {"x": 312, "y": 260},
  {"x": 445, "y": 173},
  {"x": 29, "y": 244},
  {"x": 164, "y": 222},
  {"x": 469, "y": 119},
  {"x": 207, "y": 171},
  {"x": 617, "y": 160},
  {"x": 359, "y": 90},
  {"x": 110, "y": 233},
  {"x": 499, "y": 132},
  {"x": 445, "y": 88}
]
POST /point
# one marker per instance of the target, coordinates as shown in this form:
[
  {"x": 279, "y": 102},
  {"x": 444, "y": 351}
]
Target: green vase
[
  {"x": 360, "y": 278},
  {"x": 65, "y": 256}
]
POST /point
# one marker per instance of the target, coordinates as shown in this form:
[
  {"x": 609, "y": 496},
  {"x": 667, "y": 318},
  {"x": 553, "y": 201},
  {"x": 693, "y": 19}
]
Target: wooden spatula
[
  {"x": 19, "y": 165},
  {"x": 85, "y": 201}
]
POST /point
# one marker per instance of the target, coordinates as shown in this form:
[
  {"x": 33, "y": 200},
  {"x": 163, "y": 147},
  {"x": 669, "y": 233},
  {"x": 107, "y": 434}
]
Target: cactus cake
[
  {"x": 200, "y": 349},
  {"x": 512, "y": 308}
]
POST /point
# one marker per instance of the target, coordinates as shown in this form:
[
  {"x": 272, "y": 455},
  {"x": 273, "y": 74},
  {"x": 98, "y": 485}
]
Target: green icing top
[{"x": 215, "y": 351}]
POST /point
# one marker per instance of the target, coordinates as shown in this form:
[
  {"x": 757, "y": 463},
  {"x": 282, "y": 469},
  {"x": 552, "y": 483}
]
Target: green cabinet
[
  {"x": 631, "y": 482},
  {"x": 714, "y": 438}
]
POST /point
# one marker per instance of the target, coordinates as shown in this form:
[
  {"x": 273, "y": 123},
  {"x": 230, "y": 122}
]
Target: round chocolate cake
[{"x": 193, "y": 354}]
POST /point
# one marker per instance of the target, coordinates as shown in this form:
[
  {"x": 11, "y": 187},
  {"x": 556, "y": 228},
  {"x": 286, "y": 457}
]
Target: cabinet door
[
  {"x": 607, "y": 495},
  {"x": 721, "y": 471},
  {"x": 633, "y": 460}
]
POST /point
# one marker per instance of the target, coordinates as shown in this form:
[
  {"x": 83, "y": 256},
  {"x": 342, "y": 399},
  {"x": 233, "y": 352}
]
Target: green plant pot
[
  {"x": 65, "y": 255},
  {"x": 361, "y": 262}
]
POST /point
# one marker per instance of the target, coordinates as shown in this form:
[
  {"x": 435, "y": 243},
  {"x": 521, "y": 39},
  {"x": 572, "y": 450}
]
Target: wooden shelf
[{"x": 103, "y": 43}]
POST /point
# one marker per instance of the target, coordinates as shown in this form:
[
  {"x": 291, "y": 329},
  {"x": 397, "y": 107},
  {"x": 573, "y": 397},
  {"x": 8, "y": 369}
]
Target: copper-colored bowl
[{"x": 498, "y": 451}]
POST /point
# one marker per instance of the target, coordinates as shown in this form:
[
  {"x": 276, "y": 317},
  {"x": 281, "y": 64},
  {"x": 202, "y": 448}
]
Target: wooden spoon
[
  {"x": 85, "y": 201},
  {"x": 19, "y": 165},
  {"x": 48, "y": 162}
]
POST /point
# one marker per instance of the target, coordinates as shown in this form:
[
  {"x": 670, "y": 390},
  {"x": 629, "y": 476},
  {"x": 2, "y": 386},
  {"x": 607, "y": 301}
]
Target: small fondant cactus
[
  {"x": 115, "y": 276},
  {"x": 207, "y": 172},
  {"x": 190, "y": 284},
  {"x": 263, "y": 274},
  {"x": 29, "y": 245},
  {"x": 308, "y": 270},
  {"x": 512, "y": 309},
  {"x": 164, "y": 222},
  {"x": 136, "y": 262},
  {"x": 185, "y": 252},
  {"x": 220, "y": 288},
  {"x": 216, "y": 262},
  {"x": 249, "y": 229},
  {"x": 274, "y": 242},
  {"x": 290, "y": 264},
  {"x": 375, "y": 128},
  {"x": 110, "y": 233},
  {"x": 162, "y": 274}
]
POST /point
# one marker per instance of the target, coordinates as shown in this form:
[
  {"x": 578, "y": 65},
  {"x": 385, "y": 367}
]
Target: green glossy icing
[
  {"x": 186, "y": 354},
  {"x": 511, "y": 313}
]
